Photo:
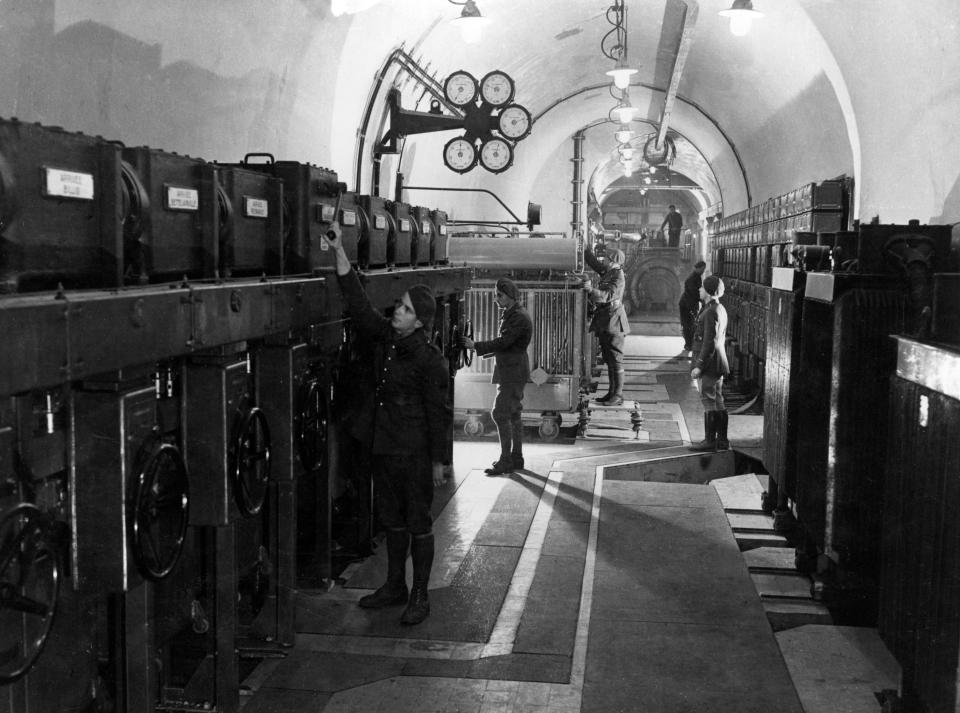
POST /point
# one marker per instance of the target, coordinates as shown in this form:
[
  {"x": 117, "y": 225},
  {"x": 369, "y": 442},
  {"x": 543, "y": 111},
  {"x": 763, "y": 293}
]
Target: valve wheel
[
  {"x": 549, "y": 428},
  {"x": 251, "y": 461},
  {"x": 29, "y": 587},
  {"x": 311, "y": 426},
  {"x": 160, "y": 510},
  {"x": 473, "y": 427}
]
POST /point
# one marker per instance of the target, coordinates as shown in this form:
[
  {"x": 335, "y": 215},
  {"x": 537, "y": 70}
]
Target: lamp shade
[
  {"x": 471, "y": 23},
  {"x": 623, "y": 134},
  {"x": 623, "y": 114},
  {"x": 741, "y": 15},
  {"x": 621, "y": 74}
]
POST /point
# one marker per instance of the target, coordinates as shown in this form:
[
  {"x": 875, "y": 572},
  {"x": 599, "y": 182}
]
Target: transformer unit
[
  {"x": 172, "y": 219},
  {"x": 439, "y": 243},
  {"x": 401, "y": 236},
  {"x": 374, "y": 221},
  {"x": 251, "y": 223},
  {"x": 60, "y": 209}
]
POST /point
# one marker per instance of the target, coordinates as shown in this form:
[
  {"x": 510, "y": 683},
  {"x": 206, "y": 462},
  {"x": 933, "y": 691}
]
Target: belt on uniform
[{"x": 615, "y": 304}]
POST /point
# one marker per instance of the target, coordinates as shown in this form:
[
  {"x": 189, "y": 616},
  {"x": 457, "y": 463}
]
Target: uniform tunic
[
  {"x": 609, "y": 322},
  {"x": 402, "y": 413},
  {"x": 710, "y": 354}
]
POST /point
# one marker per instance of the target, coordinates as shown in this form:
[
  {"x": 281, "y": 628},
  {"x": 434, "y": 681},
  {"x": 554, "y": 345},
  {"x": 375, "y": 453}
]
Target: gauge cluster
[{"x": 493, "y": 123}]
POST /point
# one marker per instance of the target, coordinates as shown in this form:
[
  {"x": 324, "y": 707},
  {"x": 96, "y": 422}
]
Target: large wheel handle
[
  {"x": 311, "y": 426},
  {"x": 251, "y": 468},
  {"x": 160, "y": 502},
  {"x": 25, "y": 547}
]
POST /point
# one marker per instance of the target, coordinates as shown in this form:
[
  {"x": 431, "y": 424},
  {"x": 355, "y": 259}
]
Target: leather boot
[
  {"x": 516, "y": 454},
  {"x": 709, "y": 443},
  {"x": 394, "y": 590},
  {"x": 418, "y": 607},
  {"x": 722, "y": 420},
  {"x": 611, "y": 370},
  {"x": 616, "y": 396}
]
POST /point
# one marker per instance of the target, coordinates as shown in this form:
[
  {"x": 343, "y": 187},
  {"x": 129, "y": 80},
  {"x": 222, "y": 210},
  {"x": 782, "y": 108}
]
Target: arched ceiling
[{"x": 729, "y": 89}]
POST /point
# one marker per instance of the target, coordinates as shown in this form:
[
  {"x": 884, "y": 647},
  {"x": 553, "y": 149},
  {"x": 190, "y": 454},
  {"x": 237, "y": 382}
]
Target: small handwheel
[
  {"x": 161, "y": 510},
  {"x": 473, "y": 427},
  {"x": 311, "y": 426},
  {"x": 549, "y": 428},
  {"x": 251, "y": 461},
  {"x": 29, "y": 587}
]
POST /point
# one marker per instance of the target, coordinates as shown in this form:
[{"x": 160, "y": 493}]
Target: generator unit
[
  {"x": 423, "y": 236},
  {"x": 401, "y": 236},
  {"x": 310, "y": 202},
  {"x": 251, "y": 222},
  {"x": 560, "y": 352},
  {"x": 919, "y": 548},
  {"x": 171, "y": 221},
  {"x": 846, "y": 361},
  {"x": 440, "y": 244},
  {"x": 60, "y": 209},
  {"x": 374, "y": 221}
]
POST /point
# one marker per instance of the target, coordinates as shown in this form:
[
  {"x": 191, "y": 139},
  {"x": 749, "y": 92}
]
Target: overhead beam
[{"x": 690, "y": 14}]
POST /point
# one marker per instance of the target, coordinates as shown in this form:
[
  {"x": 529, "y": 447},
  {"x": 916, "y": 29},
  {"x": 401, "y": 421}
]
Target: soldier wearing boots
[
  {"x": 405, "y": 419},
  {"x": 510, "y": 372},
  {"x": 609, "y": 321},
  {"x": 710, "y": 365}
]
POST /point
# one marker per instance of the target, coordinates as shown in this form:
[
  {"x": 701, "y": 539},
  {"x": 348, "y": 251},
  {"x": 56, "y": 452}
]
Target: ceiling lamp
[
  {"x": 626, "y": 153},
  {"x": 621, "y": 74},
  {"x": 470, "y": 22},
  {"x": 647, "y": 180},
  {"x": 741, "y": 15},
  {"x": 623, "y": 113},
  {"x": 623, "y": 134},
  {"x": 628, "y": 170}
]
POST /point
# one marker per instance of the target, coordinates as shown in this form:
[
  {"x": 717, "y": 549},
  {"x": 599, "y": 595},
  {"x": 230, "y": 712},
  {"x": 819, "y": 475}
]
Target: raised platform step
[
  {"x": 752, "y": 540},
  {"x": 784, "y": 614}
]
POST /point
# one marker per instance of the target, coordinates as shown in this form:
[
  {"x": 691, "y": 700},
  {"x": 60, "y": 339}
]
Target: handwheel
[
  {"x": 29, "y": 587},
  {"x": 311, "y": 426},
  {"x": 251, "y": 461},
  {"x": 549, "y": 428},
  {"x": 161, "y": 510}
]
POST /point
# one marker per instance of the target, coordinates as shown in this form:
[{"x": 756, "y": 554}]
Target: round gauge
[
  {"x": 460, "y": 88},
  {"x": 496, "y": 155},
  {"x": 460, "y": 155},
  {"x": 496, "y": 88},
  {"x": 514, "y": 122}
]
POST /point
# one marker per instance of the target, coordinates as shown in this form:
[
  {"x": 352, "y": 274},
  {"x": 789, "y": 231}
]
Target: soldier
[
  {"x": 710, "y": 365},
  {"x": 404, "y": 420},
  {"x": 510, "y": 373},
  {"x": 609, "y": 321}
]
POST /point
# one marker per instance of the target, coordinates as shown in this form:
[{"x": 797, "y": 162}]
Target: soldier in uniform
[
  {"x": 710, "y": 365},
  {"x": 404, "y": 420},
  {"x": 511, "y": 372},
  {"x": 609, "y": 321}
]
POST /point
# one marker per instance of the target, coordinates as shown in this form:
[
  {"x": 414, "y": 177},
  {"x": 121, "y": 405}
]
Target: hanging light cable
[{"x": 614, "y": 45}]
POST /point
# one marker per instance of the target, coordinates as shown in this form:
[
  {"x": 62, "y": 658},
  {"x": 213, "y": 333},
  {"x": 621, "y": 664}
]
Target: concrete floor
[{"x": 583, "y": 583}]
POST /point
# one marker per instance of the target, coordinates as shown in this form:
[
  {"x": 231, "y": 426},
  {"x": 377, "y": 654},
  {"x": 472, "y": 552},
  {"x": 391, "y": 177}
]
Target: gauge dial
[
  {"x": 514, "y": 122},
  {"x": 496, "y": 88},
  {"x": 460, "y": 88},
  {"x": 459, "y": 155},
  {"x": 496, "y": 155}
]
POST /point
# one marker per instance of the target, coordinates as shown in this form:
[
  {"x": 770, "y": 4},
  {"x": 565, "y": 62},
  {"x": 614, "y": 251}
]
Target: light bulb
[
  {"x": 628, "y": 171},
  {"x": 647, "y": 180},
  {"x": 471, "y": 28},
  {"x": 623, "y": 134},
  {"x": 621, "y": 74},
  {"x": 740, "y": 24},
  {"x": 623, "y": 114},
  {"x": 653, "y": 169},
  {"x": 626, "y": 152}
]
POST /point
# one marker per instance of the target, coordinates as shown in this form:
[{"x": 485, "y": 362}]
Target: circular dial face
[
  {"x": 514, "y": 122},
  {"x": 496, "y": 155},
  {"x": 496, "y": 88},
  {"x": 460, "y": 155},
  {"x": 460, "y": 88}
]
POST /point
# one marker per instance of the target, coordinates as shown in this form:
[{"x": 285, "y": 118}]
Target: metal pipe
[{"x": 576, "y": 224}]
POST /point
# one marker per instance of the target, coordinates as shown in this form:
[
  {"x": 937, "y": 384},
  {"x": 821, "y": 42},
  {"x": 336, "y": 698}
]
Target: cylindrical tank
[{"x": 516, "y": 253}]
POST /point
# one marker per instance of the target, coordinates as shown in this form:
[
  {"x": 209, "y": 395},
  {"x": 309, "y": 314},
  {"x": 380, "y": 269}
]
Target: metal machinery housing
[{"x": 169, "y": 458}]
